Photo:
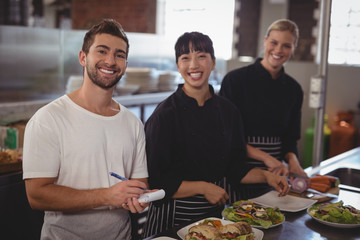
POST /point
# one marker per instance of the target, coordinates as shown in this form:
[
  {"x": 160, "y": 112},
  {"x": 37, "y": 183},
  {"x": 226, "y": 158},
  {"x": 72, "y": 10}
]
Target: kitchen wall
[
  {"x": 35, "y": 63},
  {"x": 135, "y": 15}
]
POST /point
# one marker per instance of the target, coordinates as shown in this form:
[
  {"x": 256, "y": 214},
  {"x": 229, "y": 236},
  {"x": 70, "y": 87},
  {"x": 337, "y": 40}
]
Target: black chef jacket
[{"x": 185, "y": 141}]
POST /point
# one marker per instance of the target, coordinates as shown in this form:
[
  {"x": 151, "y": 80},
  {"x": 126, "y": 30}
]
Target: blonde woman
[{"x": 270, "y": 102}]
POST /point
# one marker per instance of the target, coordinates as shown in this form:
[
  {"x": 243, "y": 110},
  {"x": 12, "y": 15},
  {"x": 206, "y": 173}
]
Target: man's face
[{"x": 105, "y": 63}]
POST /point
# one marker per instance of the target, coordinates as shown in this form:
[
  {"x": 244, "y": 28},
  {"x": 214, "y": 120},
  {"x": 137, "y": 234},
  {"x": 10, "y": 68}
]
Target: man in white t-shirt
[{"x": 73, "y": 143}]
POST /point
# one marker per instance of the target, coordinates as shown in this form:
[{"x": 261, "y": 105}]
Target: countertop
[{"x": 299, "y": 225}]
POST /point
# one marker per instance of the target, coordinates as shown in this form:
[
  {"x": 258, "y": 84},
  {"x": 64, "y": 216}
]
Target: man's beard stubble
[{"x": 95, "y": 78}]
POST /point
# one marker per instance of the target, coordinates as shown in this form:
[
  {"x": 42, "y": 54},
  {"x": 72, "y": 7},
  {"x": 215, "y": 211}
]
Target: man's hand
[
  {"x": 134, "y": 206},
  {"x": 121, "y": 192}
]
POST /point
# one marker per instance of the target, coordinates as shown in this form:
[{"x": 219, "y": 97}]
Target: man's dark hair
[{"x": 108, "y": 26}]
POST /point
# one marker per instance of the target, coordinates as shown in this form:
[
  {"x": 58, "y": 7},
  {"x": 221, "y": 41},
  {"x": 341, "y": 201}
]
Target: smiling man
[{"x": 73, "y": 143}]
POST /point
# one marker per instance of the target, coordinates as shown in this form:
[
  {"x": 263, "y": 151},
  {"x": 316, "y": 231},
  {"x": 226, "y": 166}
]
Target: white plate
[
  {"x": 163, "y": 238},
  {"x": 257, "y": 226},
  {"x": 258, "y": 234},
  {"x": 286, "y": 203},
  {"x": 337, "y": 225}
]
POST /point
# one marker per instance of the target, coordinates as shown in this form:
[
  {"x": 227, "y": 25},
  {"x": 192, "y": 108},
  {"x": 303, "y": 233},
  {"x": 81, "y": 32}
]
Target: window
[
  {"x": 344, "y": 42},
  {"x": 212, "y": 17}
]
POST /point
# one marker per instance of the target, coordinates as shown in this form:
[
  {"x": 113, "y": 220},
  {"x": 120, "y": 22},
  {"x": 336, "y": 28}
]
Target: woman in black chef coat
[
  {"x": 195, "y": 144},
  {"x": 270, "y": 102}
]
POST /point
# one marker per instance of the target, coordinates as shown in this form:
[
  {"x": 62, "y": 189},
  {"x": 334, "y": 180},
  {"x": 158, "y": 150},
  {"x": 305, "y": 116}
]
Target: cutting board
[{"x": 318, "y": 197}]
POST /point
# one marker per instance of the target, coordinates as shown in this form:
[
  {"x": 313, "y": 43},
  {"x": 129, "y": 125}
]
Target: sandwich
[
  {"x": 203, "y": 232},
  {"x": 238, "y": 230},
  {"x": 213, "y": 222}
]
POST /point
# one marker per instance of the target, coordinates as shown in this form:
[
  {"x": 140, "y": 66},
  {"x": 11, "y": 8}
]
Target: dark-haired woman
[{"x": 195, "y": 145}]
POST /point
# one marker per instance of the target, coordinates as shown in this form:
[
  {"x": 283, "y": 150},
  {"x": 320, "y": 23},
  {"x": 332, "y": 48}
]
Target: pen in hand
[
  {"x": 118, "y": 176},
  {"x": 121, "y": 178}
]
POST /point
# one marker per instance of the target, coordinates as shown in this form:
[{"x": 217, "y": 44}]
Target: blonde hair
[{"x": 284, "y": 25}]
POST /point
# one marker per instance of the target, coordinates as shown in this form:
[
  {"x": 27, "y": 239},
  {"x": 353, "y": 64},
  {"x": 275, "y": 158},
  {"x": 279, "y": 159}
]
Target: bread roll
[
  {"x": 210, "y": 232},
  {"x": 237, "y": 229},
  {"x": 4, "y": 157},
  {"x": 245, "y": 226},
  {"x": 232, "y": 228},
  {"x": 13, "y": 154}
]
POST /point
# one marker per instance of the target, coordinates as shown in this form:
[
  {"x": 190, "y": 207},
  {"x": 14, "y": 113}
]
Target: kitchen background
[{"x": 40, "y": 41}]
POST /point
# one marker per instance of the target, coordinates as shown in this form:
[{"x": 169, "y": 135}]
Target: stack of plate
[
  {"x": 146, "y": 78},
  {"x": 126, "y": 89},
  {"x": 168, "y": 81},
  {"x": 73, "y": 83}
]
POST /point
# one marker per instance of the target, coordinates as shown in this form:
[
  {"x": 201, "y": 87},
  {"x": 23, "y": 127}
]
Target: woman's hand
[
  {"x": 276, "y": 167},
  {"x": 280, "y": 183},
  {"x": 294, "y": 165},
  {"x": 215, "y": 194},
  {"x": 257, "y": 175},
  {"x": 273, "y": 165}
]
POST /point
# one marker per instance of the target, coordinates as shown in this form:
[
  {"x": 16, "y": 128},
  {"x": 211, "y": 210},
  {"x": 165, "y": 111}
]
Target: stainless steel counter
[
  {"x": 16, "y": 111},
  {"x": 349, "y": 159}
]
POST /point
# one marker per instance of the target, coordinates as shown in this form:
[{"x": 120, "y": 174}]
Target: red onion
[
  {"x": 299, "y": 185},
  {"x": 240, "y": 208},
  {"x": 239, "y": 211}
]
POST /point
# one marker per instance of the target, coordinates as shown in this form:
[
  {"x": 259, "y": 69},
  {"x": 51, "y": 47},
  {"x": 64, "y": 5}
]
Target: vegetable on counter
[
  {"x": 299, "y": 185},
  {"x": 253, "y": 214},
  {"x": 323, "y": 183},
  {"x": 336, "y": 213}
]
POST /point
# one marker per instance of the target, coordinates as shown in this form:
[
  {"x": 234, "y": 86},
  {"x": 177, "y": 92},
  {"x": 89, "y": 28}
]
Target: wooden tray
[
  {"x": 319, "y": 197},
  {"x": 10, "y": 167}
]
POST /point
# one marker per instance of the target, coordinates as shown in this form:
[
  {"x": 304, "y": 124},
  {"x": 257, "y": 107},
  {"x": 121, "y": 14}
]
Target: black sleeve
[
  {"x": 238, "y": 166},
  {"x": 292, "y": 134},
  {"x": 164, "y": 165},
  {"x": 226, "y": 87}
]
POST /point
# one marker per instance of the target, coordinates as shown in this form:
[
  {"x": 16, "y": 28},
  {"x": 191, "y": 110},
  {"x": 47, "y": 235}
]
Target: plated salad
[
  {"x": 335, "y": 213},
  {"x": 254, "y": 214}
]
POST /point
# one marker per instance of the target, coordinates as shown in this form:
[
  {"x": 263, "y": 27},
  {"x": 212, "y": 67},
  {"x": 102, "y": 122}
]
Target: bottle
[
  {"x": 309, "y": 142},
  {"x": 11, "y": 139}
]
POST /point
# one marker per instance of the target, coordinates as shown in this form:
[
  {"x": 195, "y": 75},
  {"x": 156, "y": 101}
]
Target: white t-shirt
[{"x": 80, "y": 148}]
